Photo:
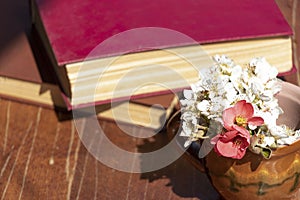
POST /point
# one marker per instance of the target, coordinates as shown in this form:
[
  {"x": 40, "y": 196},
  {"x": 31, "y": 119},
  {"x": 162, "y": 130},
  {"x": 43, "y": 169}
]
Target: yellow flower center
[
  {"x": 237, "y": 142},
  {"x": 241, "y": 121}
]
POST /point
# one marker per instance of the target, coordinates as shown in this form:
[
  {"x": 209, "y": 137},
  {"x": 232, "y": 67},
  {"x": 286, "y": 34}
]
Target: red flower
[
  {"x": 232, "y": 144},
  {"x": 235, "y": 142},
  {"x": 241, "y": 114}
]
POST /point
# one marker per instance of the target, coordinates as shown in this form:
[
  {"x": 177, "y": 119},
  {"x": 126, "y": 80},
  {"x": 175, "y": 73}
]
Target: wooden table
[{"x": 43, "y": 158}]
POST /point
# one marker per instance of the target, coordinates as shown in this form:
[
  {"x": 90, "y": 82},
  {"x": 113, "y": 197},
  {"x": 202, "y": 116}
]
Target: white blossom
[
  {"x": 190, "y": 98},
  {"x": 268, "y": 141},
  {"x": 203, "y": 107},
  {"x": 189, "y": 124},
  {"x": 222, "y": 85},
  {"x": 263, "y": 70}
]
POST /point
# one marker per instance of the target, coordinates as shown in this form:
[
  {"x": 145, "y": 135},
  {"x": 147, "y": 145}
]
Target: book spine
[{"x": 40, "y": 29}]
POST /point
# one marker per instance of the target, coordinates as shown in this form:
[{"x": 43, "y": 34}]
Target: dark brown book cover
[
  {"x": 19, "y": 62},
  {"x": 18, "y": 65}
]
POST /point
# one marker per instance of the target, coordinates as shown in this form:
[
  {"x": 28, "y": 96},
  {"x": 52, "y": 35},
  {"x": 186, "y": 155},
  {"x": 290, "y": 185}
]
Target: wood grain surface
[{"x": 43, "y": 158}]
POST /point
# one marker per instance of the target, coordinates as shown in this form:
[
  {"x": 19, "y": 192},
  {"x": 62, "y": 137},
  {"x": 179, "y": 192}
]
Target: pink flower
[
  {"x": 241, "y": 114},
  {"x": 235, "y": 142},
  {"x": 232, "y": 144}
]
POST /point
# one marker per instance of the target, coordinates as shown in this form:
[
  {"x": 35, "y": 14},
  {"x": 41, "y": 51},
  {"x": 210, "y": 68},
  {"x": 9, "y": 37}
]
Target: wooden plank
[{"x": 44, "y": 159}]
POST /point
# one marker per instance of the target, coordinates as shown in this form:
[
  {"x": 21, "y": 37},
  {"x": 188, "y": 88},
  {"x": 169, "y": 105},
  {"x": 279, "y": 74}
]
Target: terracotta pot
[{"x": 253, "y": 177}]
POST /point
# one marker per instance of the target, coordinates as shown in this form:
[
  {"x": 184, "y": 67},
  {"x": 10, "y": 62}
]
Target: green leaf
[{"x": 266, "y": 152}]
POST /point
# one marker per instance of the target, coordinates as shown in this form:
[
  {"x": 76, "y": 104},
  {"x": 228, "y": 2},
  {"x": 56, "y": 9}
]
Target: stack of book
[{"x": 67, "y": 31}]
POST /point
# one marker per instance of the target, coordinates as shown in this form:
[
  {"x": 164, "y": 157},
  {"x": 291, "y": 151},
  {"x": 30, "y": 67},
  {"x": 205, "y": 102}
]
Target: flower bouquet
[
  {"x": 239, "y": 108},
  {"x": 243, "y": 122}
]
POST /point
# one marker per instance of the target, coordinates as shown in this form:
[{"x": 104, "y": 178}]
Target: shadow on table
[{"x": 185, "y": 179}]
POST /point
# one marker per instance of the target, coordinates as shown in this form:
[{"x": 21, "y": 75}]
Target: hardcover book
[
  {"x": 71, "y": 29},
  {"x": 21, "y": 78},
  {"x": 26, "y": 76},
  {"x": 149, "y": 112}
]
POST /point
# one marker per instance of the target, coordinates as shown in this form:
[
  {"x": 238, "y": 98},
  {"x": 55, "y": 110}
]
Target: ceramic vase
[{"x": 254, "y": 177}]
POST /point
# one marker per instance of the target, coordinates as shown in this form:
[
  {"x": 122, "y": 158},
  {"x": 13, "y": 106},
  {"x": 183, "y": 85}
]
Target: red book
[
  {"x": 71, "y": 29},
  {"x": 23, "y": 80},
  {"x": 26, "y": 75},
  {"x": 21, "y": 77}
]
